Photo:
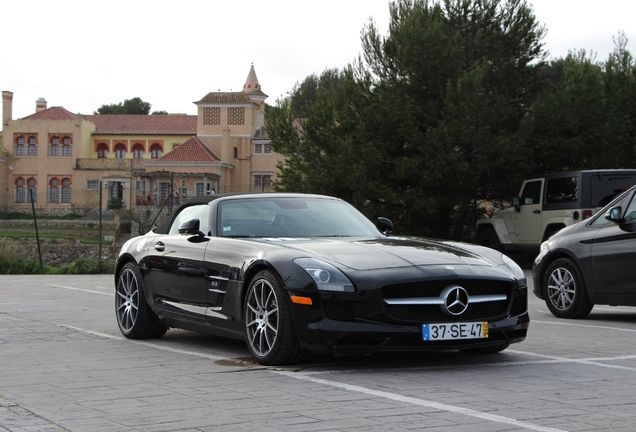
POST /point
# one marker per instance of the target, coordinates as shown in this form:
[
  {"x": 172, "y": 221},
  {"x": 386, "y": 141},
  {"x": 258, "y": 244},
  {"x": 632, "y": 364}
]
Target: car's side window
[
  {"x": 201, "y": 212},
  {"x": 562, "y": 190},
  {"x": 630, "y": 213},
  {"x": 531, "y": 193}
]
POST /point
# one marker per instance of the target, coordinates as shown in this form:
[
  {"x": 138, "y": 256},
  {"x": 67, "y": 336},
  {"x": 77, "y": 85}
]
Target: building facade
[{"x": 57, "y": 158}]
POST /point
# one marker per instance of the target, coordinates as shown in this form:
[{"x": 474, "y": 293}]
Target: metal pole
[
  {"x": 99, "y": 243},
  {"x": 35, "y": 222},
  {"x": 171, "y": 190}
]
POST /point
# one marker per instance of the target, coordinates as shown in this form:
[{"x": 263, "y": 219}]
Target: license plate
[{"x": 452, "y": 331}]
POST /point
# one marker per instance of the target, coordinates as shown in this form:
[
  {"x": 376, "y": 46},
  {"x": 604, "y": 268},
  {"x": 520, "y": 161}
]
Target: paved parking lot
[{"x": 65, "y": 366}]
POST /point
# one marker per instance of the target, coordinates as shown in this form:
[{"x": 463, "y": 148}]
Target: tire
[
  {"x": 134, "y": 317},
  {"x": 494, "y": 349},
  {"x": 564, "y": 290},
  {"x": 488, "y": 237},
  {"x": 269, "y": 329}
]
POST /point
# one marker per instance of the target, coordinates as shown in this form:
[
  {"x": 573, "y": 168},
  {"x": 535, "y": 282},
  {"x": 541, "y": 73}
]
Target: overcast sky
[{"x": 83, "y": 54}]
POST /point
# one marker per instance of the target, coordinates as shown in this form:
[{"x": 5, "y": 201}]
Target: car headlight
[
  {"x": 517, "y": 272},
  {"x": 326, "y": 276}
]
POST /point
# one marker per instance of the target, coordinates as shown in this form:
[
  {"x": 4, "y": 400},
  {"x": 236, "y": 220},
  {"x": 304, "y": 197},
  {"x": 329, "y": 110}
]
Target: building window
[
  {"x": 262, "y": 180},
  {"x": 138, "y": 151},
  {"x": 92, "y": 184},
  {"x": 156, "y": 151},
  {"x": 174, "y": 146},
  {"x": 267, "y": 148},
  {"x": 55, "y": 147},
  {"x": 235, "y": 152},
  {"x": 20, "y": 191},
  {"x": 120, "y": 151},
  {"x": 33, "y": 146},
  {"x": 66, "y": 190},
  {"x": 200, "y": 189},
  {"x": 33, "y": 185},
  {"x": 54, "y": 191},
  {"x": 102, "y": 151},
  {"x": 258, "y": 148},
  {"x": 67, "y": 147},
  {"x": 164, "y": 190},
  {"x": 20, "y": 147}
]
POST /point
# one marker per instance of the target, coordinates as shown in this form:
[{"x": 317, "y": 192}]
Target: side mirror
[
  {"x": 516, "y": 203},
  {"x": 191, "y": 227},
  {"x": 614, "y": 214},
  {"x": 385, "y": 226}
]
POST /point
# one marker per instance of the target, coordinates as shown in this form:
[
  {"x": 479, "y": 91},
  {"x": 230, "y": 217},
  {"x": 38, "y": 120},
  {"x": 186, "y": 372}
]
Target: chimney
[
  {"x": 7, "y": 107},
  {"x": 40, "y": 105}
]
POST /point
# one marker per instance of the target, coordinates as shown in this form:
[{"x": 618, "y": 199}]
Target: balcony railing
[{"x": 110, "y": 164}]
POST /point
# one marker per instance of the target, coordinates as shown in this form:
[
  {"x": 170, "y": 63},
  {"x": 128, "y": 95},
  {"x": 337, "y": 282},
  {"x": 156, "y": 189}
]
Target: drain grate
[{"x": 239, "y": 362}]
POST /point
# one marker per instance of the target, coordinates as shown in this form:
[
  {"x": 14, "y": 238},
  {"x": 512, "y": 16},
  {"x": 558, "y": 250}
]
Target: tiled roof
[
  {"x": 191, "y": 151},
  {"x": 54, "y": 113},
  {"x": 260, "y": 134},
  {"x": 160, "y": 124},
  {"x": 238, "y": 98}
]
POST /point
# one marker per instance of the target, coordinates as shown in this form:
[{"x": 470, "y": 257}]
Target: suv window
[
  {"x": 606, "y": 187},
  {"x": 562, "y": 190},
  {"x": 531, "y": 193}
]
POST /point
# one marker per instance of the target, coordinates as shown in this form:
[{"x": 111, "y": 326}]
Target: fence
[{"x": 62, "y": 224}]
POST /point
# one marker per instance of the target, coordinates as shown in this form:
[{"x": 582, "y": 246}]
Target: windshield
[{"x": 292, "y": 217}]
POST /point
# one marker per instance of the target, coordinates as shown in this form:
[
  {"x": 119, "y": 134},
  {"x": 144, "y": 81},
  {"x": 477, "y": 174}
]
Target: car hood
[{"x": 390, "y": 252}]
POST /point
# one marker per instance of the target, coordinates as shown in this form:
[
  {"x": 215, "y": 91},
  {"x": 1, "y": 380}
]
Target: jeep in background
[{"x": 548, "y": 203}]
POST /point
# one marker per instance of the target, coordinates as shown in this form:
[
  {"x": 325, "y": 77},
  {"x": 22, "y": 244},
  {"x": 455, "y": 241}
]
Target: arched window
[
  {"x": 67, "y": 147},
  {"x": 54, "y": 191},
  {"x": 102, "y": 151},
  {"x": 120, "y": 151},
  {"x": 33, "y": 146},
  {"x": 66, "y": 190},
  {"x": 20, "y": 191},
  {"x": 138, "y": 151},
  {"x": 55, "y": 147},
  {"x": 20, "y": 147},
  {"x": 155, "y": 151},
  {"x": 33, "y": 185}
]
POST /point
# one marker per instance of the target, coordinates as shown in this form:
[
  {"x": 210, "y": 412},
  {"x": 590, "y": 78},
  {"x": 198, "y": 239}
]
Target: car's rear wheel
[
  {"x": 269, "y": 329},
  {"x": 134, "y": 317},
  {"x": 564, "y": 288}
]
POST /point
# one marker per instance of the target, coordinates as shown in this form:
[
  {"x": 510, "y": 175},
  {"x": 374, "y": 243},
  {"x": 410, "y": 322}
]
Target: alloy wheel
[
  {"x": 562, "y": 289},
  {"x": 262, "y": 318},
  {"x": 127, "y": 300}
]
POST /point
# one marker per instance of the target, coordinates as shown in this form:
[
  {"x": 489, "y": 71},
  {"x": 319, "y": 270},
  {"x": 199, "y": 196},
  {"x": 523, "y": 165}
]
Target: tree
[
  {"x": 129, "y": 106},
  {"x": 159, "y": 113},
  {"x": 426, "y": 122}
]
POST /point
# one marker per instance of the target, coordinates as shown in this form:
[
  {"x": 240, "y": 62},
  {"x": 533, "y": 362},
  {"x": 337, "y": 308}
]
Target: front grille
[
  {"x": 433, "y": 313},
  {"x": 433, "y": 289},
  {"x": 519, "y": 305}
]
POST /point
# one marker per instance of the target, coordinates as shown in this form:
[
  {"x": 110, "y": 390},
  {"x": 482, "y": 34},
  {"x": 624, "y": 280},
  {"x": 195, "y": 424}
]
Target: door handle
[
  {"x": 160, "y": 246},
  {"x": 536, "y": 211}
]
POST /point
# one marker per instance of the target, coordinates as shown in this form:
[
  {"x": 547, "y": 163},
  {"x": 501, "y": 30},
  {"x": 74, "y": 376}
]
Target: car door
[
  {"x": 613, "y": 254},
  {"x": 525, "y": 224},
  {"x": 176, "y": 271}
]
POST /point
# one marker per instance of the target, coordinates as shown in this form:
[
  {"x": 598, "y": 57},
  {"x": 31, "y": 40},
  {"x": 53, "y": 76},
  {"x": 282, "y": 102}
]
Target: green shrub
[{"x": 88, "y": 266}]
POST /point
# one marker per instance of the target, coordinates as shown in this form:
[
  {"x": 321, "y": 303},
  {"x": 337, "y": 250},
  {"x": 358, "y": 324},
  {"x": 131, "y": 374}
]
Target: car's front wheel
[
  {"x": 134, "y": 317},
  {"x": 269, "y": 329},
  {"x": 564, "y": 288}
]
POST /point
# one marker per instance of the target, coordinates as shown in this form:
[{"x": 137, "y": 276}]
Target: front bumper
[{"x": 361, "y": 336}]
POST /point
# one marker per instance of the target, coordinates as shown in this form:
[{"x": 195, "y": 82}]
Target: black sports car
[
  {"x": 291, "y": 273},
  {"x": 591, "y": 262}
]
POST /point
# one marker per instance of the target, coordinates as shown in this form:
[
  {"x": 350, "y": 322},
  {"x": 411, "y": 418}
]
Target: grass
[{"x": 26, "y": 234}]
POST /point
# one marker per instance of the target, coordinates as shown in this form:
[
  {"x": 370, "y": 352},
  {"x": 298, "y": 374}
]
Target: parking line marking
[
  {"x": 419, "y": 402},
  {"x": 147, "y": 344},
  {"x": 584, "y": 326},
  {"x": 589, "y": 362},
  {"x": 80, "y": 289}
]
